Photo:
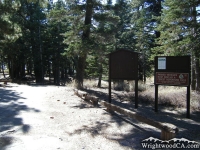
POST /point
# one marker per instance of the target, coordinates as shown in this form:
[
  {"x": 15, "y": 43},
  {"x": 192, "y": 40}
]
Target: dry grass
[
  {"x": 167, "y": 95},
  {"x": 90, "y": 83},
  {"x": 170, "y": 96}
]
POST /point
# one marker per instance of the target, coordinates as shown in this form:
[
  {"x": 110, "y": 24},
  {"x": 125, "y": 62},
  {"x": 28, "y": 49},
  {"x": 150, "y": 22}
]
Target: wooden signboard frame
[
  {"x": 173, "y": 71},
  {"x": 123, "y": 65}
]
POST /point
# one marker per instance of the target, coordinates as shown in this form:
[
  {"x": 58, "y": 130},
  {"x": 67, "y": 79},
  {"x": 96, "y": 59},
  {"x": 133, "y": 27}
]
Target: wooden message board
[
  {"x": 123, "y": 65},
  {"x": 172, "y": 64},
  {"x": 173, "y": 71}
]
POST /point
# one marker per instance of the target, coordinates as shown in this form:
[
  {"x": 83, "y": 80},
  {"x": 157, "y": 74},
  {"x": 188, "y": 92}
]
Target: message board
[
  {"x": 173, "y": 71},
  {"x": 123, "y": 65},
  {"x": 172, "y": 64}
]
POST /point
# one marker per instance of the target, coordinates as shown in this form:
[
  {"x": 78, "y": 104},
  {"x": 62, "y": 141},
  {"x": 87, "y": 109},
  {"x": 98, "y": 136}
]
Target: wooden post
[
  {"x": 109, "y": 91},
  {"x": 136, "y": 93},
  {"x": 156, "y": 98},
  {"x": 167, "y": 135},
  {"x": 109, "y": 80},
  {"x": 188, "y": 101}
]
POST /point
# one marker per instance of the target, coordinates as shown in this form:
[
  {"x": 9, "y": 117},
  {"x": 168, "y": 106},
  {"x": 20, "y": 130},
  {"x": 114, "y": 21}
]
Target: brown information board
[
  {"x": 123, "y": 65},
  {"x": 173, "y": 71},
  {"x": 172, "y": 78},
  {"x": 172, "y": 64}
]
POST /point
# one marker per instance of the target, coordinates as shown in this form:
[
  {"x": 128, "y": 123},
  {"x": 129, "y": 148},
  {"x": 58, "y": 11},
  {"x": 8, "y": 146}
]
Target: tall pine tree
[{"x": 179, "y": 30}]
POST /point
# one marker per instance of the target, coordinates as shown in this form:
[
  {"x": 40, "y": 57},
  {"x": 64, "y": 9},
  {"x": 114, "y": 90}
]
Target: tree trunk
[
  {"x": 29, "y": 66},
  {"x": 22, "y": 65},
  {"x": 62, "y": 72},
  {"x": 197, "y": 75},
  {"x": 65, "y": 73},
  {"x": 100, "y": 74},
  {"x": 193, "y": 80},
  {"x": 22, "y": 70},
  {"x": 85, "y": 38},
  {"x": 80, "y": 71},
  {"x": 37, "y": 60},
  {"x": 9, "y": 66},
  {"x": 56, "y": 67},
  {"x": 37, "y": 65},
  {"x": 70, "y": 69},
  {"x": 2, "y": 67},
  {"x": 196, "y": 49},
  {"x": 15, "y": 69}
]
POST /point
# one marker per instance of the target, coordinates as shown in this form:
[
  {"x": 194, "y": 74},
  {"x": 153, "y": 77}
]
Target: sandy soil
[{"x": 52, "y": 117}]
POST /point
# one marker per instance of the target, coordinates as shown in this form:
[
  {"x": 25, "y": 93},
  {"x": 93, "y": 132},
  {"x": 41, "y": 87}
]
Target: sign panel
[
  {"x": 175, "y": 71},
  {"x": 161, "y": 62},
  {"x": 172, "y": 64},
  {"x": 123, "y": 65},
  {"x": 172, "y": 78}
]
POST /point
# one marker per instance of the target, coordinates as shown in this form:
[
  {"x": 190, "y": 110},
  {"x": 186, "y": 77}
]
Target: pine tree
[
  {"x": 124, "y": 34},
  {"x": 9, "y": 31},
  {"x": 86, "y": 36},
  {"x": 103, "y": 37},
  {"x": 27, "y": 19},
  {"x": 57, "y": 25},
  {"x": 179, "y": 33},
  {"x": 143, "y": 23}
]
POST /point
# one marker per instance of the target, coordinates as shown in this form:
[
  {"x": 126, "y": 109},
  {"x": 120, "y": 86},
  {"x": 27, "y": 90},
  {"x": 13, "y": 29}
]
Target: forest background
[{"x": 74, "y": 37}]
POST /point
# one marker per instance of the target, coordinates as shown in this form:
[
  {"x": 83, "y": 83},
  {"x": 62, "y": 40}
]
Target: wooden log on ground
[
  {"x": 80, "y": 93},
  {"x": 167, "y": 135},
  {"x": 85, "y": 96},
  {"x": 92, "y": 99},
  {"x": 168, "y": 131}
]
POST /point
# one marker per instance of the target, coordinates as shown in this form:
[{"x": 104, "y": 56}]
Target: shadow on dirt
[
  {"x": 126, "y": 137},
  {"x": 188, "y": 128},
  {"x": 83, "y": 106},
  {"x": 10, "y": 108}
]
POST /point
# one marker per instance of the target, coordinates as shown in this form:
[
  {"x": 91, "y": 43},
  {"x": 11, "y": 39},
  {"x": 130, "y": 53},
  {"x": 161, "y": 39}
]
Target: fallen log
[
  {"x": 92, "y": 99},
  {"x": 85, "y": 96},
  {"x": 80, "y": 93},
  {"x": 168, "y": 131}
]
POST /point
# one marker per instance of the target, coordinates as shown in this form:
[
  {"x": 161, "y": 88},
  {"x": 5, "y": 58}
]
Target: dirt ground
[{"x": 34, "y": 117}]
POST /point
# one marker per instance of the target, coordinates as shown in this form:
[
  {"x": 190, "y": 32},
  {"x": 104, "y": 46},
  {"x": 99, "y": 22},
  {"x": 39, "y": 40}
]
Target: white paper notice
[{"x": 161, "y": 62}]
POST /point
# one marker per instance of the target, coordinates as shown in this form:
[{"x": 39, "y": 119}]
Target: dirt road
[{"x": 52, "y": 117}]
